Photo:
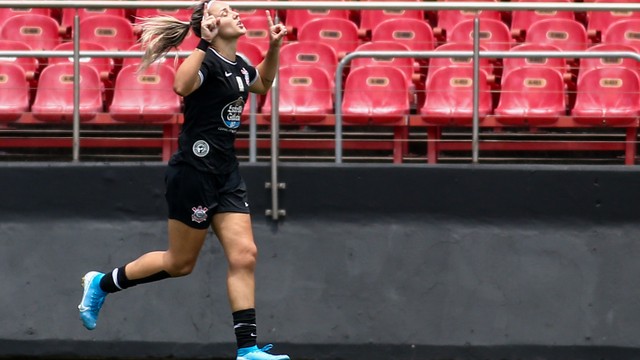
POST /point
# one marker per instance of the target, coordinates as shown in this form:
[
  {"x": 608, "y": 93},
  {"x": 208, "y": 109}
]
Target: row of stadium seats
[
  {"x": 116, "y": 32},
  {"x": 529, "y": 96}
]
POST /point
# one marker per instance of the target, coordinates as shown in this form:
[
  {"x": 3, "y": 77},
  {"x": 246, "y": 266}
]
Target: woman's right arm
[{"x": 187, "y": 79}]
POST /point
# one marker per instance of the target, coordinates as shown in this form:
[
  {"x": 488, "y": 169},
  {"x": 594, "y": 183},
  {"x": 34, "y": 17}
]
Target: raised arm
[{"x": 268, "y": 68}]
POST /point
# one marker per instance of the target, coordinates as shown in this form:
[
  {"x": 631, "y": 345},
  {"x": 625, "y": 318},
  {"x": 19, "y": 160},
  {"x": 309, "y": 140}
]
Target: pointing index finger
[{"x": 269, "y": 19}]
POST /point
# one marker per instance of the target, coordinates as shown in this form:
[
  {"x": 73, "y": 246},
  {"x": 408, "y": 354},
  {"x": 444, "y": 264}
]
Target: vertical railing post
[
  {"x": 76, "y": 87},
  {"x": 475, "y": 133}
]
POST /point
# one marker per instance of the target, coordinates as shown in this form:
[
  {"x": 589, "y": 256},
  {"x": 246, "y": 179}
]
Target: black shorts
[{"x": 194, "y": 197}]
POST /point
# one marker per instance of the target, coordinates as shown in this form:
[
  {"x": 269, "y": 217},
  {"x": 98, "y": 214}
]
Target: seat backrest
[
  {"x": 600, "y": 20},
  {"x": 558, "y": 64},
  {"x": 587, "y": 64},
  {"x": 29, "y": 65},
  {"x": 66, "y": 21},
  {"x": 295, "y": 18},
  {"x": 568, "y": 35},
  {"x": 416, "y": 34},
  {"x": 148, "y": 91},
  {"x": 403, "y": 64},
  {"x": 182, "y": 14},
  {"x": 257, "y": 31},
  {"x": 340, "y": 34},
  {"x": 310, "y": 54},
  {"x": 6, "y": 13},
  {"x": 113, "y": 32},
  {"x": 14, "y": 92},
  {"x": 625, "y": 32},
  {"x": 608, "y": 88},
  {"x": 494, "y": 34},
  {"x": 308, "y": 87},
  {"x": 533, "y": 88},
  {"x": 522, "y": 19},
  {"x": 451, "y": 89},
  {"x": 375, "y": 91},
  {"x": 437, "y": 62},
  {"x": 250, "y": 51},
  {"x": 54, "y": 96},
  {"x": 369, "y": 19},
  {"x": 103, "y": 65},
  {"x": 448, "y": 19},
  {"x": 40, "y": 32}
]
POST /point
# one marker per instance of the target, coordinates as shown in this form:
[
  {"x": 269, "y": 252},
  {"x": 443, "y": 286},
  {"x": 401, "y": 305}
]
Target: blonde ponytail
[{"x": 162, "y": 33}]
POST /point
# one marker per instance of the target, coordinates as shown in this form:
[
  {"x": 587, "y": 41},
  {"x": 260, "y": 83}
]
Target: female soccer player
[{"x": 203, "y": 184}]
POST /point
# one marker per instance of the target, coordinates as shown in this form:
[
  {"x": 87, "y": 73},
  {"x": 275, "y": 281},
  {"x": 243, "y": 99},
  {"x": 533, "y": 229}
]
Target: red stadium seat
[
  {"x": 54, "y": 97},
  {"x": 103, "y": 65},
  {"x": 113, "y": 32},
  {"x": 437, "y": 63},
  {"x": 305, "y": 96},
  {"x": 375, "y": 95},
  {"x": 406, "y": 65},
  {"x": 190, "y": 42},
  {"x": 251, "y": 52},
  {"x": 568, "y": 35},
  {"x": 310, "y": 54},
  {"x": 40, "y": 32},
  {"x": 416, "y": 34},
  {"x": 623, "y": 32},
  {"x": 66, "y": 21},
  {"x": 29, "y": 65},
  {"x": 403, "y": 64},
  {"x": 6, "y": 13},
  {"x": 14, "y": 92},
  {"x": 144, "y": 97},
  {"x": 340, "y": 34},
  {"x": 531, "y": 96},
  {"x": 257, "y": 32},
  {"x": 599, "y": 21},
  {"x": 169, "y": 61},
  {"x": 607, "y": 97},
  {"x": 587, "y": 64},
  {"x": 494, "y": 34},
  {"x": 522, "y": 20},
  {"x": 295, "y": 18},
  {"x": 558, "y": 64},
  {"x": 369, "y": 19},
  {"x": 449, "y": 98},
  {"x": 448, "y": 19}
]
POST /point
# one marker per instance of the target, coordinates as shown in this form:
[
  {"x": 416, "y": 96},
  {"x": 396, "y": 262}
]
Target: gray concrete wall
[{"x": 371, "y": 262}]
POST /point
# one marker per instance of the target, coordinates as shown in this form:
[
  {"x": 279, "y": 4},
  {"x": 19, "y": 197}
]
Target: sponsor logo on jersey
[
  {"x": 200, "y": 148},
  {"x": 232, "y": 112}
]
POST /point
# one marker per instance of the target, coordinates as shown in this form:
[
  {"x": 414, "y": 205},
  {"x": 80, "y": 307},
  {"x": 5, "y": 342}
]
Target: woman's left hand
[{"x": 276, "y": 32}]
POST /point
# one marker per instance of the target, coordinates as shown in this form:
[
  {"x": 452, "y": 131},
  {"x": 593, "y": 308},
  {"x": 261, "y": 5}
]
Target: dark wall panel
[{"x": 371, "y": 262}]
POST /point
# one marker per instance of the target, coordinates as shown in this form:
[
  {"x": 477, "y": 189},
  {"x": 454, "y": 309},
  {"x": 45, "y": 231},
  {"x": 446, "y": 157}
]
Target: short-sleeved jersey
[{"x": 212, "y": 114}]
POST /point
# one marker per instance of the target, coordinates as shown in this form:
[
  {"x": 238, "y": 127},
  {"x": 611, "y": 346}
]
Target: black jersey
[{"x": 212, "y": 114}]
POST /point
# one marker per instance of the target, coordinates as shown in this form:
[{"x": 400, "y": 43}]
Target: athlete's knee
[
  {"x": 177, "y": 267},
  {"x": 244, "y": 257}
]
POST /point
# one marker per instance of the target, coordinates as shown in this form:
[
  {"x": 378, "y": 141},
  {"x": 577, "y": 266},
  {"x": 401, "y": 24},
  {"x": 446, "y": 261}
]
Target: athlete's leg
[
  {"x": 179, "y": 259},
  {"x": 236, "y": 236}
]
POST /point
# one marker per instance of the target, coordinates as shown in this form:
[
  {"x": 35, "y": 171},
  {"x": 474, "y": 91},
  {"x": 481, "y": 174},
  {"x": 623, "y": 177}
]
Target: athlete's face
[{"x": 230, "y": 25}]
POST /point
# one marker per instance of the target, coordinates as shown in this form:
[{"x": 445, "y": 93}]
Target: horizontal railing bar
[
  {"x": 359, "y": 54},
  {"x": 319, "y": 5}
]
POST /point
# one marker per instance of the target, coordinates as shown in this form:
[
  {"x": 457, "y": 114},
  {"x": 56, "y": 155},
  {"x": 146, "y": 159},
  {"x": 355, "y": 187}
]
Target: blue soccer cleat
[
  {"x": 92, "y": 299},
  {"x": 255, "y": 353}
]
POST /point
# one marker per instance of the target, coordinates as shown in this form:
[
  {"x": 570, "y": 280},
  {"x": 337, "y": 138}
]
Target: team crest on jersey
[
  {"x": 199, "y": 214},
  {"x": 200, "y": 148},
  {"x": 246, "y": 75},
  {"x": 232, "y": 112}
]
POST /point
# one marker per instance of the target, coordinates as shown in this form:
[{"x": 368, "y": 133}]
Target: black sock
[
  {"x": 244, "y": 325},
  {"x": 117, "y": 280}
]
